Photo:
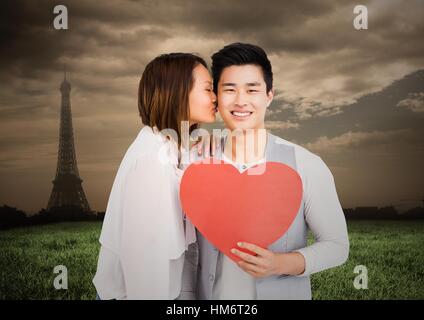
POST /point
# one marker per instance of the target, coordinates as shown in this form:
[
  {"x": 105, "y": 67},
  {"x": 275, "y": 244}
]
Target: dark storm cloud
[
  {"x": 29, "y": 42},
  {"x": 324, "y": 73},
  {"x": 376, "y": 111},
  {"x": 321, "y": 31}
]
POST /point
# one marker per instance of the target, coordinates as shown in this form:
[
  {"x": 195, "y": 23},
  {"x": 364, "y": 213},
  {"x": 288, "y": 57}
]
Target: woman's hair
[{"x": 163, "y": 94}]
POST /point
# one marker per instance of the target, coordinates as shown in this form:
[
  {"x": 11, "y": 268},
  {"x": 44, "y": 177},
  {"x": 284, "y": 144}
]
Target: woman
[{"x": 143, "y": 240}]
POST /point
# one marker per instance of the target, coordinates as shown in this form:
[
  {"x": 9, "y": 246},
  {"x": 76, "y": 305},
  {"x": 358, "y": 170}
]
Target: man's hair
[
  {"x": 241, "y": 54},
  {"x": 164, "y": 90}
]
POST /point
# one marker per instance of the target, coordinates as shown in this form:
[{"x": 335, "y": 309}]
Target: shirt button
[
  {"x": 244, "y": 167},
  {"x": 211, "y": 278}
]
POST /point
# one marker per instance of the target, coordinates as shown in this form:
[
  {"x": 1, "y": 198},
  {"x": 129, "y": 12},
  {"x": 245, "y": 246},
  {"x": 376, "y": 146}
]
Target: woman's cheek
[{"x": 207, "y": 100}]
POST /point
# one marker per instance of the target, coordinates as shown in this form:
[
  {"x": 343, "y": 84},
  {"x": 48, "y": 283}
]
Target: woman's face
[{"x": 202, "y": 99}]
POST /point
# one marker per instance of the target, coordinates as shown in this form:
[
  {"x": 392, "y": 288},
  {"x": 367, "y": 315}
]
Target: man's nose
[{"x": 240, "y": 99}]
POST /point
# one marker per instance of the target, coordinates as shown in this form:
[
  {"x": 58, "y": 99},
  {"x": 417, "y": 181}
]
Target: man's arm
[{"x": 325, "y": 218}]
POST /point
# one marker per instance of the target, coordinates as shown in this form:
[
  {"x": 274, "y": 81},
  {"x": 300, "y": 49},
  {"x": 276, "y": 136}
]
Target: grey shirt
[
  {"x": 320, "y": 212},
  {"x": 231, "y": 282}
]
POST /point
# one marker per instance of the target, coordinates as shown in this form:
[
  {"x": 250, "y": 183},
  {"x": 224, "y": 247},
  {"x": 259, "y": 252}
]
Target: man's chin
[
  {"x": 242, "y": 125},
  {"x": 239, "y": 127}
]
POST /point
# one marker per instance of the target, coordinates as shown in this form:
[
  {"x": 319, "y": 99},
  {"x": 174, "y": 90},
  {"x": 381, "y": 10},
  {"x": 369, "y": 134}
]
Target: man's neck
[{"x": 246, "y": 146}]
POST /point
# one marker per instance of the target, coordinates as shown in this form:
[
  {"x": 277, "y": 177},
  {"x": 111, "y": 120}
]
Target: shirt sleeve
[
  {"x": 325, "y": 218},
  {"x": 152, "y": 239}
]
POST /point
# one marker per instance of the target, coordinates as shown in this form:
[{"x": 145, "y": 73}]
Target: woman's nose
[{"x": 213, "y": 97}]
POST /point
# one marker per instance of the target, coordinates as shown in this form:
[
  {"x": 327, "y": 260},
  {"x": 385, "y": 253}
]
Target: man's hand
[{"x": 267, "y": 263}]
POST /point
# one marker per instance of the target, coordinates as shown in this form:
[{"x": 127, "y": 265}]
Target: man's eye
[
  {"x": 253, "y": 90},
  {"x": 228, "y": 90}
]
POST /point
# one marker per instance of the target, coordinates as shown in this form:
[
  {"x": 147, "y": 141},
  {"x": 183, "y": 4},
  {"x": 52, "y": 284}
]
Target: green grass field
[{"x": 392, "y": 251}]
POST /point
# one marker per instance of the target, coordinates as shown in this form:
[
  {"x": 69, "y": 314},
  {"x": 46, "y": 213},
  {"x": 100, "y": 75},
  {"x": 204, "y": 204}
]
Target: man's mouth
[{"x": 241, "y": 114}]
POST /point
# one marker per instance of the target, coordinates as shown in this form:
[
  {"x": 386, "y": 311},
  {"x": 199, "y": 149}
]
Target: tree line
[{"x": 11, "y": 217}]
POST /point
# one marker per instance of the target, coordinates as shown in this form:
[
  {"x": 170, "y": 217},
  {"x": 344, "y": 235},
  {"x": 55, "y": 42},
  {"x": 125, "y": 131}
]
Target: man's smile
[{"x": 241, "y": 115}]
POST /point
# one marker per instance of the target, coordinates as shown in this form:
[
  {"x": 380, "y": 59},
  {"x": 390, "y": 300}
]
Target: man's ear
[{"x": 270, "y": 95}]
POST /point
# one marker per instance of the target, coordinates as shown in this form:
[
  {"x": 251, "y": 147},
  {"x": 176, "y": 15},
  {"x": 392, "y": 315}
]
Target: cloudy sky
[{"x": 355, "y": 97}]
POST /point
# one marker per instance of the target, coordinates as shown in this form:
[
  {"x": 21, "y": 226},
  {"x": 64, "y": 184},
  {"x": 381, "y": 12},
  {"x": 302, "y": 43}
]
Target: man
[{"x": 243, "y": 84}]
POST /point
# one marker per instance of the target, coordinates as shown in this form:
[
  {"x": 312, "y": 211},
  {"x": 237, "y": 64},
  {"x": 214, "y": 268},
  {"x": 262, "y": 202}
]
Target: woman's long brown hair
[{"x": 163, "y": 94}]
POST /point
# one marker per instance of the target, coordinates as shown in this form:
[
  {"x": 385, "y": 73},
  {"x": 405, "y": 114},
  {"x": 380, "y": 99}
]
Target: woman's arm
[{"x": 152, "y": 231}]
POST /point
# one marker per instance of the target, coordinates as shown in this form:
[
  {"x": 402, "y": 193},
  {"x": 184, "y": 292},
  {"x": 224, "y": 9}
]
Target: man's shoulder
[
  {"x": 309, "y": 165},
  {"x": 302, "y": 154}
]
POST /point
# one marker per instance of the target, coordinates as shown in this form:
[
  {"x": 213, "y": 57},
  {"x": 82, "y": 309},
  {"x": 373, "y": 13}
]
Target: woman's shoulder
[
  {"x": 145, "y": 145},
  {"x": 149, "y": 151}
]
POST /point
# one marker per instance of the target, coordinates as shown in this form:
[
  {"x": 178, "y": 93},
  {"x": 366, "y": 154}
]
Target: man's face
[{"x": 242, "y": 97}]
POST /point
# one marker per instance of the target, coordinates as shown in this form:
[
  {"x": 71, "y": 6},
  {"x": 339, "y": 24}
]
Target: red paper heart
[{"x": 227, "y": 206}]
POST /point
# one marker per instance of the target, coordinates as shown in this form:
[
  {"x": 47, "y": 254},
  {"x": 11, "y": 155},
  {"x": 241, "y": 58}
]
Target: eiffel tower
[{"x": 67, "y": 189}]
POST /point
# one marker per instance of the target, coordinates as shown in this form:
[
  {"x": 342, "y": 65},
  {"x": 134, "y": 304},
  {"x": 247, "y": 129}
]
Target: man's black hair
[{"x": 241, "y": 54}]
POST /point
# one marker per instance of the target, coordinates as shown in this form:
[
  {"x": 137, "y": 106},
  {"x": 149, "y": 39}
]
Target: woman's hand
[
  {"x": 207, "y": 146},
  {"x": 267, "y": 263}
]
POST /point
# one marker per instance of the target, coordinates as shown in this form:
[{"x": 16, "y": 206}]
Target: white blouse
[{"x": 143, "y": 240}]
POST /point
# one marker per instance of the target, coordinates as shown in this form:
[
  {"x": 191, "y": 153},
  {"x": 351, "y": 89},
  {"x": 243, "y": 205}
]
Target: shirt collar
[{"x": 242, "y": 166}]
